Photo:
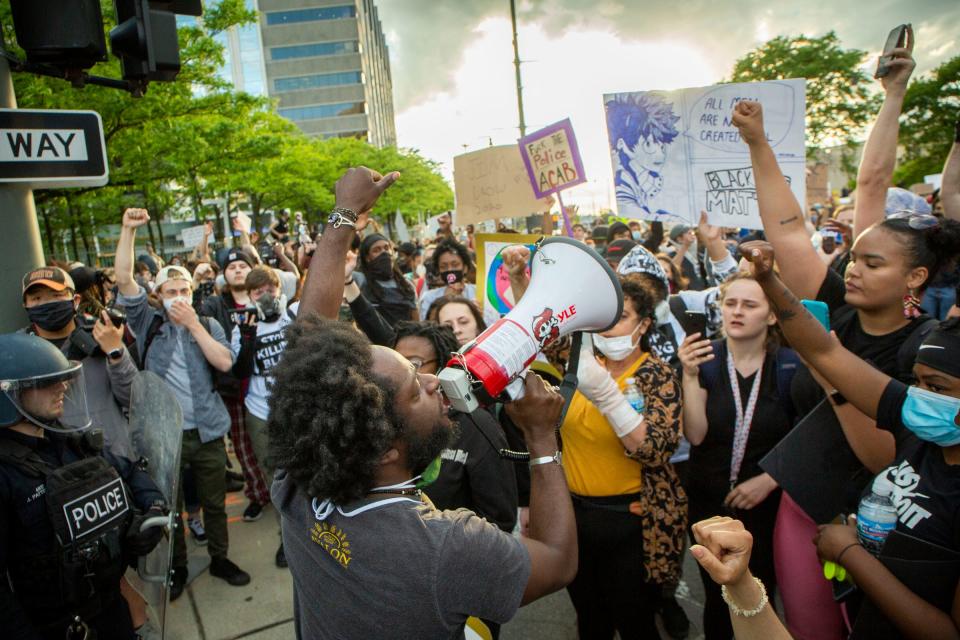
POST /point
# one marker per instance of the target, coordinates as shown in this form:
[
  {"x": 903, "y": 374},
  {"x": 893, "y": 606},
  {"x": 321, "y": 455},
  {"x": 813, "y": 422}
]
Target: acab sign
[{"x": 44, "y": 149}]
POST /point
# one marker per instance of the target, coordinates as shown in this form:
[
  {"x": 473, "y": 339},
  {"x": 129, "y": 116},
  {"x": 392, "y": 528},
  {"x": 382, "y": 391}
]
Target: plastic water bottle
[
  {"x": 876, "y": 516},
  {"x": 634, "y": 396}
]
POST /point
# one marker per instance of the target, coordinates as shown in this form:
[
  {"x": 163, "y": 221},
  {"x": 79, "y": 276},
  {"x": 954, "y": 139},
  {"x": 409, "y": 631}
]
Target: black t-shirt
[
  {"x": 926, "y": 488},
  {"x": 474, "y": 476},
  {"x": 709, "y": 471},
  {"x": 394, "y": 303},
  {"x": 881, "y": 351}
]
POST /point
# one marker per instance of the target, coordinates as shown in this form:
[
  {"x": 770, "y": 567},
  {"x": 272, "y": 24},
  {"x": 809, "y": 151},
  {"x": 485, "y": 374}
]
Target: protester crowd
[{"x": 313, "y": 359}]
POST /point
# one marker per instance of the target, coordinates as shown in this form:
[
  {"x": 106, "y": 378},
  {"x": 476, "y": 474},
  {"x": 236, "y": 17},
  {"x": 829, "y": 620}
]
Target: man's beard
[{"x": 422, "y": 450}]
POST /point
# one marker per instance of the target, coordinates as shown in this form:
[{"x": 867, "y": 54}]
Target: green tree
[
  {"x": 839, "y": 102},
  {"x": 930, "y": 110}
]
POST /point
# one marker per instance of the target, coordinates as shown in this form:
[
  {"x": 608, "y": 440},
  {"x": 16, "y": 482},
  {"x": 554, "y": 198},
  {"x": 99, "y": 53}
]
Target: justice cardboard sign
[{"x": 552, "y": 159}]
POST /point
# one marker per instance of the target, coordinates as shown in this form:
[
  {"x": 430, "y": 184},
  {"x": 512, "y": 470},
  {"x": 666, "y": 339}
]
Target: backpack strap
[
  {"x": 788, "y": 363},
  {"x": 152, "y": 332},
  {"x": 710, "y": 370},
  {"x": 24, "y": 458}
]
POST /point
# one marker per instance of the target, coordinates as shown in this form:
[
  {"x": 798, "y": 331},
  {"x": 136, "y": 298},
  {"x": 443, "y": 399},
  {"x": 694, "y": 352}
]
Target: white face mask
[
  {"x": 168, "y": 302},
  {"x": 618, "y": 347}
]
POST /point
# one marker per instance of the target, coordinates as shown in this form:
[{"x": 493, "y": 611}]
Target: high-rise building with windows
[{"x": 326, "y": 61}]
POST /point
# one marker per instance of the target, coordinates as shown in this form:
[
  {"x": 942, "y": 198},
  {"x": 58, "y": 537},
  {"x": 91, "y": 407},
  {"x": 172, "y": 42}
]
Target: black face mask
[
  {"x": 268, "y": 307},
  {"x": 381, "y": 267},
  {"x": 52, "y": 316}
]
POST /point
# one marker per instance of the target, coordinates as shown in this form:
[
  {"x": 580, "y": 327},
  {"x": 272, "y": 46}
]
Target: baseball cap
[
  {"x": 679, "y": 230},
  {"x": 617, "y": 249},
  {"x": 53, "y": 277},
  {"x": 173, "y": 272}
]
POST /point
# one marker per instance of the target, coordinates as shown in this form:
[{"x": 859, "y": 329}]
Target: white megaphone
[{"x": 571, "y": 289}]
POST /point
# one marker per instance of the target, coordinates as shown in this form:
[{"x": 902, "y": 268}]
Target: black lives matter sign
[
  {"x": 96, "y": 509},
  {"x": 45, "y": 149}
]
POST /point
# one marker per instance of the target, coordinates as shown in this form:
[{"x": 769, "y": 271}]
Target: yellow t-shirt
[{"x": 593, "y": 456}]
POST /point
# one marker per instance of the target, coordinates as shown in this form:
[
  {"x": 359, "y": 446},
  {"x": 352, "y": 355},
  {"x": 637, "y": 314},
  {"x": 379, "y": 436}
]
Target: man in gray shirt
[{"x": 352, "y": 428}]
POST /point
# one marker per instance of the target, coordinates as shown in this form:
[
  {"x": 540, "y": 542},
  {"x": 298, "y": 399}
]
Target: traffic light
[
  {"x": 62, "y": 33},
  {"x": 145, "y": 38}
]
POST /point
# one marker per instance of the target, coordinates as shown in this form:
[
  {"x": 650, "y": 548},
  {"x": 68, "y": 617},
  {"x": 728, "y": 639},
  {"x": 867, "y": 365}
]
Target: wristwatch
[
  {"x": 556, "y": 458},
  {"x": 340, "y": 216},
  {"x": 115, "y": 354}
]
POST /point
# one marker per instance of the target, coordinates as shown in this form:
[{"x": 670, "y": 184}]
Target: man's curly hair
[
  {"x": 441, "y": 338},
  {"x": 331, "y": 416}
]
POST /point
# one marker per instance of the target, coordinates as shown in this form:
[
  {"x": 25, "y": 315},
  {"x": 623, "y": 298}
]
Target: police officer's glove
[{"x": 140, "y": 543}]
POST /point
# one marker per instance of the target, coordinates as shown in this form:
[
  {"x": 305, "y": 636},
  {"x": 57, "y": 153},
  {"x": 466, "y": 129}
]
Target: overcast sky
[{"x": 453, "y": 74}]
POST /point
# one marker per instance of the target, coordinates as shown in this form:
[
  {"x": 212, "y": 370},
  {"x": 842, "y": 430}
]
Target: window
[
  {"x": 310, "y": 15},
  {"x": 315, "y": 49},
  {"x": 318, "y": 111},
  {"x": 320, "y": 80}
]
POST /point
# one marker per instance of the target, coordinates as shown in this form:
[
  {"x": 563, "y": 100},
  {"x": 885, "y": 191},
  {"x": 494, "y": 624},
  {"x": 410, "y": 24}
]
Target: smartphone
[
  {"x": 696, "y": 322},
  {"x": 819, "y": 310},
  {"x": 896, "y": 39},
  {"x": 239, "y": 316}
]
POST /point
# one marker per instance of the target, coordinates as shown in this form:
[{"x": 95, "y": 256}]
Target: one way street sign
[{"x": 44, "y": 149}]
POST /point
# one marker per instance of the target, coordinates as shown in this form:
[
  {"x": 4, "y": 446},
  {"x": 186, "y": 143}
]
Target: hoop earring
[{"x": 911, "y": 305}]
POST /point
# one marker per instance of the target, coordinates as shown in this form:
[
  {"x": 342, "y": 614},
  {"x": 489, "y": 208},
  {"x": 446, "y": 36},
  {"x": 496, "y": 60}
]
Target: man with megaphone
[{"x": 353, "y": 428}]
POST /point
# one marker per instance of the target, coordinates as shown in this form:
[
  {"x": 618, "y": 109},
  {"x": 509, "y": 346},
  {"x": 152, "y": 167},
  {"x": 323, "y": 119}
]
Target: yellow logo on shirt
[{"x": 333, "y": 540}]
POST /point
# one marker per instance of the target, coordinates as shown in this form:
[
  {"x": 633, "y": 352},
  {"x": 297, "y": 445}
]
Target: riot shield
[{"x": 156, "y": 431}]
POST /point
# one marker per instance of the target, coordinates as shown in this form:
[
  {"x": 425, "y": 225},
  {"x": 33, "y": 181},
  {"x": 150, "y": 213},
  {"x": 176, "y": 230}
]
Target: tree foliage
[
  {"x": 931, "y": 108},
  {"x": 197, "y": 139},
  {"x": 839, "y": 102}
]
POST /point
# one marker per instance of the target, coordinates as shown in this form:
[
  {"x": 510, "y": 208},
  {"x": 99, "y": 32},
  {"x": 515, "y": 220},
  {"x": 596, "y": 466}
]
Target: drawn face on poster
[{"x": 642, "y": 127}]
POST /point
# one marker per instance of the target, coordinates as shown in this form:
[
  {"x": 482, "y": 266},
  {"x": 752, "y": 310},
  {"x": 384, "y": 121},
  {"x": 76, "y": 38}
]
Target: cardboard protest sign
[
  {"x": 192, "y": 236},
  {"x": 493, "y": 281},
  {"x": 492, "y": 183},
  {"x": 552, "y": 159},
  {"x": 675, "y": 153}
]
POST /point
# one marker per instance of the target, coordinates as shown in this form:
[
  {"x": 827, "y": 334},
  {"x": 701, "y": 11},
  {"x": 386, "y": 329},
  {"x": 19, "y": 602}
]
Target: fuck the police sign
[{"x": 552, "y": 159}]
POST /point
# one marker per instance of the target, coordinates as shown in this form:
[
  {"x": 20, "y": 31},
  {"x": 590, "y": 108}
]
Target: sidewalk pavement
[{"x": 210, "y": 609}]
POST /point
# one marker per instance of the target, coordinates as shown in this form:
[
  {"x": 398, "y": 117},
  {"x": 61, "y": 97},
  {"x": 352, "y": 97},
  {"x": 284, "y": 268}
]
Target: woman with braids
[
  {"x": 384, "y": 285},
  {"x": 472, "y": 473},
  {"x": 735, "y": 410},
  {"x": 925, "y": 422},
  {"x": 629, "y": 506}
]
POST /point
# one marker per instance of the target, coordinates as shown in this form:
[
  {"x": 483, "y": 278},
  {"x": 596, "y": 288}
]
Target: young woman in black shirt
[
  {"x": 925, "y": 421},
  {"x": 732, "y": 417}
]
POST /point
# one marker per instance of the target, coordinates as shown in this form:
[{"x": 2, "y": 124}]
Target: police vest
[{"x": 88, "y": 505}]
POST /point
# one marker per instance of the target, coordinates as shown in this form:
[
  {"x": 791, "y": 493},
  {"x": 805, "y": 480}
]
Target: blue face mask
[
  {"x": 637, "y": 235},
  {"x": 932, "y": 416}
]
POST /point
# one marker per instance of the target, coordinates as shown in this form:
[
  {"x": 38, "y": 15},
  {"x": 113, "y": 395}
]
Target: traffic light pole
[{"x": 20, "y": 246}]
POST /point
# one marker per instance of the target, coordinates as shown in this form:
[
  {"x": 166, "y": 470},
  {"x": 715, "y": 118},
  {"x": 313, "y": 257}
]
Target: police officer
[{"x": 70, "y": 513}]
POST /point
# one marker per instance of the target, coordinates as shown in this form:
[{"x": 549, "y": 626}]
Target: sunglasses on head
[{"x": 916, "y": 220}]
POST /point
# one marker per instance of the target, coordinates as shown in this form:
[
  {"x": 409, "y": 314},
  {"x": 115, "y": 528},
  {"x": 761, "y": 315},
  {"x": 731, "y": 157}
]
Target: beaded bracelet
[{"x": 749, "y": 613}]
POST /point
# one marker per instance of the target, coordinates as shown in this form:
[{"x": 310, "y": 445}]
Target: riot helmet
[{"x": 38, "y": 383}]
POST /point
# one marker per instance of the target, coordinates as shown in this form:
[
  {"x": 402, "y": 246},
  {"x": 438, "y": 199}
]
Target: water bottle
[
  {"x": 634, "y": 396},
  {"x": 876, "y": 516}
]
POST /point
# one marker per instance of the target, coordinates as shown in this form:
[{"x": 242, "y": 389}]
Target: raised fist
[
  {"x": 748, "y": 119},
  {"x": 133, "y": 218}
]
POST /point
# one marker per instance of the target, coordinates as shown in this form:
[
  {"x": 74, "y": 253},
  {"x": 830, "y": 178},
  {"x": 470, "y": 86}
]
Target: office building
[{"x": 327, "y": 64}]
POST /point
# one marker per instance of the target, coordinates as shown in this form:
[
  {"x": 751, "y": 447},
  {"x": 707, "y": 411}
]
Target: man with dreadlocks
[
  {"x": 352, "y": 429},
  {"x": 641, "y": 127}
]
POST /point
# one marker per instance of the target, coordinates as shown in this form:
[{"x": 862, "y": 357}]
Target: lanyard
[{"x": 744, "y": 417}]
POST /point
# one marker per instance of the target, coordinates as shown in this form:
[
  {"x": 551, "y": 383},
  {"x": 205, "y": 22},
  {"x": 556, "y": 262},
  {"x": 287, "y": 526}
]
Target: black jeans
[{"x": 610, "y": 593}]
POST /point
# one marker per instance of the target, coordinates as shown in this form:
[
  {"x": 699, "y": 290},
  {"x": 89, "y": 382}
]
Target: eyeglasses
[
  {"x": 917, "y": 221},
  {"x": 418, "y": 363}
]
